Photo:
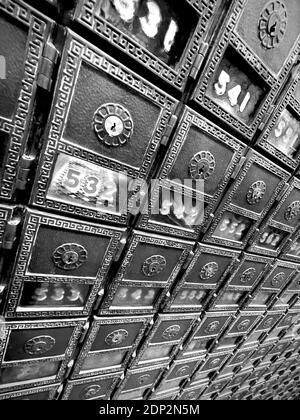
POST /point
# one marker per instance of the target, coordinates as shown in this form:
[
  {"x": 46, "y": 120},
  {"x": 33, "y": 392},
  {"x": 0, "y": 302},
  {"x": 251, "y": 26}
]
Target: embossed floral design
[
  {"x": 273, "y": 24},
  {"x": 116, "y": 338},
  {"x": 202, "y": 165},
  {"x": 40, "y": 345},
  {"x": 256, "y": 192},
  {"x": 69, "y": 256},
  {"x": 153, "y": 266}
]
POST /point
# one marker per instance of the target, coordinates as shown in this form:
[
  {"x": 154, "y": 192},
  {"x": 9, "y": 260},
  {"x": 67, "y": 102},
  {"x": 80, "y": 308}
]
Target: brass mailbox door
[
  {"x": 42, "y": 393},
  {"x": 281, "y": 136},
  {"x": 99, "y": 388},
  {"x": 147, "y": 272},
  {"x": 109, "y": 345},
  {"x": 154, "y": 33},
  {"x": 291, "y": 251},
  {"x": 24, "y": 34},
  {"x": 245, "y": 278},
  {"x": 199, "y": 163},
  {"x": 247, "y": 202},
  {"x": 37, "y": 353},
  {"x": 104, "y": 131},
  {"x": 207, "y": 270},
  {"x": 281, "y": 223},
  {"x": 60, "y": 267},
  {"x": 252, "y": 58}
]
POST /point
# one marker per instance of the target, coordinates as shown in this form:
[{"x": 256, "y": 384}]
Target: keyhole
[
  {"x": 114, "y": 127},
  {"x": 274, "y": 28}
]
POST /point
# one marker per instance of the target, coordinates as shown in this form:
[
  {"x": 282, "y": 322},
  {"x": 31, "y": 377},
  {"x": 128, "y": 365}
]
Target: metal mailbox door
[
  {"x": 206, "y": 272},
  {"x": 281, "y": 135},
  {"x": 148, "y": 270},
  {"x": 109, "y": 345},
  {"x": 24, "y": 34},
  {"x": 199, "y": 164},
  {"x": 280, "y": 225},
  {"x": 253, "y": 55},
  {"x": 291, "y": 251},
  {"x": 247, "y": 202},
  {"x": 99, "y": 388},
  {"x": 60, "y": 267},
  {"x": 43, "y": 393},
  {"x": 37, "y": 353},
  {"x": 153, "y": 33},
  {"x": 104, "y": 131}
]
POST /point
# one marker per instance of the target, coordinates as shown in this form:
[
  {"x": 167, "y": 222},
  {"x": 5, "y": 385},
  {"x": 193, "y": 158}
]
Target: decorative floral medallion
[
  {"x": 171, "y": 332},
  {"x": 215, "y": 362},
  {"x": 38, "y": 346},
  {"x": 244, "y": 325},
  {"x": 268, "y": 323},
  {"x": 212, "y": 328},
  {"x": 278, "y": 280},
  {"x": 70, "y": 256},
  {"x": 273, "y": 24},
  {"x": 202, "y": 165},
  {"x": 292, "y": 211},
  {"x": 184, "y": 370},
  {"x": 241, "y": 357},
  {"x": 90, "y": 392},
  {"x": 116, "y": 338},
  {"x": 209, "y": 271},
  {"x": 144, "y": 379},
  {"x": 256, "y": 192},
  {"x": 191, "y": 396},
  {"x": 113, "y": 125},
  {"x": 153, "y": 266},
  {"x": 248, "y": 275}
]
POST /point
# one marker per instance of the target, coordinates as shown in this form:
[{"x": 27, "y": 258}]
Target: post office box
[
  {"x": 155, "y": 34},
  {"x": 140, "y": 381},
  {"x": 109, "y": 345},
  {"x": 250, "y": 62},
  {"x": 147, "y": 272},
  {"x": 36, "y": 353},
  {"x": 24, "y": 37},
  {"x": 291, "y": 251},
  {"x": 279, "y": 226},
  {"x": 281, "y": 135},
  {"x": 42, "y": 393},
  {"x": 193, "y": 177},
  {"x": 248, "y": 273},
  {"x": 218, "y": 385},
  {"x": 104, "y": 131},
  {"x": 239, "y": 380},
  {"x": 224, "y": 396},
  {"x": 278, "y": 277},
  {"x": 192, "y": 393},
  {"x": 164, "y": 339},
  {"x": 213, "y": 363},
  {"x": 205, "y": 334},
  {"x": 269, "y": 321},
  {"x": 240, "y": 358},
  {"x": 208, "y": 269},
  {"x": 60, "y": 267},
  {"x": 257, "y": 377},
  {"x": 99, "y": 388},
  {"x": 247, "y": 202},
  {"x": 289, "y": 297}
]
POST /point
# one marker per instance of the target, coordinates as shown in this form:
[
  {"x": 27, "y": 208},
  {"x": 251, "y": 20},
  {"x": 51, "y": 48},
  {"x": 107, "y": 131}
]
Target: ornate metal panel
[
  {"x": 254, "y": 52},
  {"x": 198, "y": 167},
  {"x": 247, "y": 275},
  {"x": 289, "y": 298},
  {"x": 36, "y": 353},
  {"x": 60, "y": 267},
  {"x": 247, "y": 202},
  {"x": 279, "y": 276},
  {"x": 192, "y": 393},
  {"x": 43, "y": 393},
  {"x": 206, "y": 272},
  {"x": 24, "y": 33},
  {"x": 212, "y": 363},
  {"x": 281, "y": 136},
  {"x": 99, "y": 388},
  {"x": 281, "y": 223},
  {"x": 154, "y": 34},
  {"x": 109, "y": 345},
  {"x": 104, "y": 131},
  {"x": 205, "y": 334},
  {"x": 139, "y": 380},
  {"x": 148, "y": 270},
  {"x": 164, "y": 339}
]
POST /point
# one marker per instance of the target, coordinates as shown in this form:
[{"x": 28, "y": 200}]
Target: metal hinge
[
  {"x": 85, "y": 329},
  {"x": 168, "y": 131},
  {"x": 122, "y": 244},
  {"x": 25, "y": 163},
  {"x": 266, "y": 117},
  {"x": 189, "y": 260},
  {"x": 10, "y": 232},
  {"x": 99, "y": 299},
  {"x": 59, "y": 392},
  {"x": 198, "y": 61},
  {"x": 49, "y": 60},
  {"x": 238, "y": 167}
]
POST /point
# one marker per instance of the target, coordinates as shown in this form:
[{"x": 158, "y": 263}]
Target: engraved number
[
  {"x": 233, "y": 94},
  {"x": 72, "y": 181}
]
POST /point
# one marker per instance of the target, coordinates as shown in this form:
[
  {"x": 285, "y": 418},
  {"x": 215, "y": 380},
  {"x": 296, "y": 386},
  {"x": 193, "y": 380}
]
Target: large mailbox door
[
  {"x": 61, "y": 265},
  {"x": 252, "y": 58},
  {"x": 104, "y": 132},
  {"x": 153, "y": 33},
  {"x": 23, "y": 34}
]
